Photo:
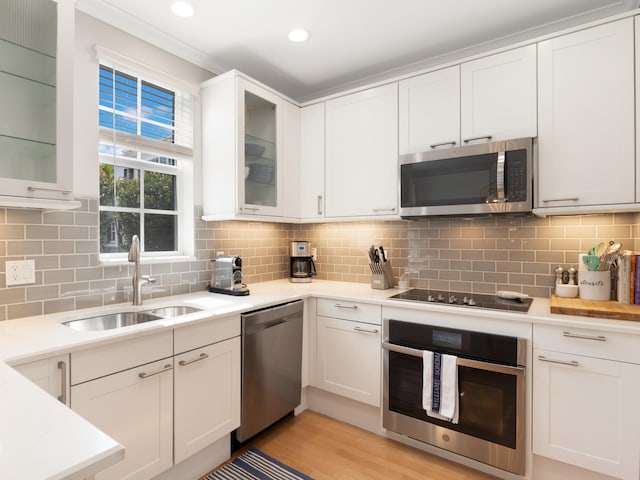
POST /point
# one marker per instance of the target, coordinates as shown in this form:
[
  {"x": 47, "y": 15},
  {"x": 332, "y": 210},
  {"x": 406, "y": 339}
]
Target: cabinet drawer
[
  {"x": 205, "y": 333},
  {"x": 115, "y": 357},
  {"x": 360, "y": 312},
  {"x": 587, "y": 342}
]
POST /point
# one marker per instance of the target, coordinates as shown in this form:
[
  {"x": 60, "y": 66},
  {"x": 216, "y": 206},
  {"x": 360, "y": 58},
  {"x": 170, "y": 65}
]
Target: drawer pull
[
  {"x": 348, "y": 307},
  {"x": 62, "y": 366},
  {"x": 597, "y": 338},
  {"x": 202, "y": 356},
  {"x": 436, "y": 145},
  {"x": 365, "y": 330},
  {"x": 571, "y": 363},
  {"x": 166, "y": 368}
]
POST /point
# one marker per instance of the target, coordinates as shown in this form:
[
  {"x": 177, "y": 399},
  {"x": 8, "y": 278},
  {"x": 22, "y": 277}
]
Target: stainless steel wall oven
[{"x": 491, "y": 391}]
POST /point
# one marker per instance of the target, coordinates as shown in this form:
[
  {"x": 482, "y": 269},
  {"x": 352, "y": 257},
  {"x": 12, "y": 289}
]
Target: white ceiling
[{"x": 352, "y": 41}]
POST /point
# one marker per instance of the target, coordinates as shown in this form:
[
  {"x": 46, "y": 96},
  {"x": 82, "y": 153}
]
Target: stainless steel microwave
[{"x": 492, "y": 177}]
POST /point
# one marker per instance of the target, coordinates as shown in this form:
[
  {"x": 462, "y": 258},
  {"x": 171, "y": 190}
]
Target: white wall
[{"x": 89, "y": 33}]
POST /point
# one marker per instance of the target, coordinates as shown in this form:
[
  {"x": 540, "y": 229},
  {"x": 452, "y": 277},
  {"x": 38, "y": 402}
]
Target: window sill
[{"x": 147, "y": 260}]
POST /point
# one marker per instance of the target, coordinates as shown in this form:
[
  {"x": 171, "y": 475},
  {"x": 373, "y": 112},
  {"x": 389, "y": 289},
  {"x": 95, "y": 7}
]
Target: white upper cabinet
[
  {"x": 429, "y": 111},
  {"x": 312, "y": 162},
  {"x": 498, "y": 96},
  {"x": 361, "y": 157},
  {"x": 491, "y": 98},
  {"x": 586, "y": 118},
  {"x": 36, "y": 91},
  {"x": 244, "y": 130}
]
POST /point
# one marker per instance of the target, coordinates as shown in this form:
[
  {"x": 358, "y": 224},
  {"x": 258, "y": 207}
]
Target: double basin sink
[{"x": 109, "y": 321}]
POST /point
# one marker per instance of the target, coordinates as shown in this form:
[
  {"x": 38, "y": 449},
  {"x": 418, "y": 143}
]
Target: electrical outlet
[
  {"x": 219, "y": 254},
  {"x": 20, "y": 272}
]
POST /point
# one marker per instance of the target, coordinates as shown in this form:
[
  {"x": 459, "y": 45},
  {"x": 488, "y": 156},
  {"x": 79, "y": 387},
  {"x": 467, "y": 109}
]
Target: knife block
[{"x": 381, "y": 275}]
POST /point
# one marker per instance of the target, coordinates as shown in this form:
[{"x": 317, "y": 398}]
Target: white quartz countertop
[{"x": 42, "y": 439}]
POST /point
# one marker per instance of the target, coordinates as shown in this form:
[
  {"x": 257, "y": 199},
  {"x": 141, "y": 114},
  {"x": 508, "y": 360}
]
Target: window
[{"x": 144, "y": 156}]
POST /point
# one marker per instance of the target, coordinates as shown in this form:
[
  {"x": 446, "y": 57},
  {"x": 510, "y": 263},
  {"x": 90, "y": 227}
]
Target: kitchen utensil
[
  {"x": 509, "y": 295},
  {"x": 592, "y": 262},
  {"x": 383, "y": 255}
]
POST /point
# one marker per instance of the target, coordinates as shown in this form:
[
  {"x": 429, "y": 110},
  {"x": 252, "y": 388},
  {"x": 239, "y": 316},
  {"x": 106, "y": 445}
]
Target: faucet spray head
[{"x": 134, "y": 250}]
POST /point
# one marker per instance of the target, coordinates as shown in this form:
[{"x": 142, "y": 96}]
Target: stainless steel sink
[
  {"x": 173, "y": 311},
  {"x": 111, "y": 320}
]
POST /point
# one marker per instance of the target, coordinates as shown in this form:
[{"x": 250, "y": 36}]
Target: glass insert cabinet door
[{"x": 260, "y": 152}]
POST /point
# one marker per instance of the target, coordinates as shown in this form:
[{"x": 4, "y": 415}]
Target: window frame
[{"x": 182, "y": 154}]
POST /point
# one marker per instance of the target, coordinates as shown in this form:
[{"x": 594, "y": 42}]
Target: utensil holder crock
[{"x": 595, "y": 285}]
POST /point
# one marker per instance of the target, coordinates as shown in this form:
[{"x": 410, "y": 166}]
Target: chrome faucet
[{"x": 137, "y": 281}]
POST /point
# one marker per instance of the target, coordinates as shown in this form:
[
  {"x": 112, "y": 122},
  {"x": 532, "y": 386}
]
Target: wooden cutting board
[{"x": 592, "y": 308}]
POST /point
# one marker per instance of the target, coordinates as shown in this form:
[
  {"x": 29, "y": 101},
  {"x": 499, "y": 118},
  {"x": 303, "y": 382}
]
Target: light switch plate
[{"x": 20, "y": 272}]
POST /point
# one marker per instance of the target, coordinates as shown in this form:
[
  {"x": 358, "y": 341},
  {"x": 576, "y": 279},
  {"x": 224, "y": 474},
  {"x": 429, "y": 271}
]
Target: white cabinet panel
[
  {"x": 50, "y": 374},
  {"x": 137, "y": 412},
  {"x": 585, "y": 413},
  {"x": 312, "y": 162},
  {"x": 586, "y": 117},
  {"x": 207, "y": 396},
  {"x": 348, "y": 359},
  {"x": 498, "y": 96},
  {"x": 429, "y": 111},
  {"x": 361, "y": 153}
]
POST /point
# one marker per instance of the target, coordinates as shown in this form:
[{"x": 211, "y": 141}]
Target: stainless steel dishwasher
[{"x": 271, "y": 366}]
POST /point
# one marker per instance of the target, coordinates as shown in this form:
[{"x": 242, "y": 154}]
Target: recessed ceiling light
[
  {"x": 182, "y": 9},
  {"x": 298, "y": 35}
]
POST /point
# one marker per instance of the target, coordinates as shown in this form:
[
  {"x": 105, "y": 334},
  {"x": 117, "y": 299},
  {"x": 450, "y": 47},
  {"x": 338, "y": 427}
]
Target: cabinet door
[
  {"x": 361, "y": 153},
  {"x": 36, "y": 91},
  {"x": 291, "y": 160},
  {"x": 586, "y": 117},
  {"x": 50, "y": 374},
  {"x": 260, "y": 150},
  {"x": 207, "y": 396},
  {"x": 135, "y": 411},
  {"x": 429, "y": 111},
  {"x": 498, "y": 96},
  {"x": 312, "y": 162},
  {"x": 348, "y": 359},
  {"x": 586, "y": 414}
]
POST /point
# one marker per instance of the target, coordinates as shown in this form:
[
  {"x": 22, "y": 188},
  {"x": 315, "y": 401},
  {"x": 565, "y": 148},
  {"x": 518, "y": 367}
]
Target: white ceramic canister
[{"x": 595, "y": 285}]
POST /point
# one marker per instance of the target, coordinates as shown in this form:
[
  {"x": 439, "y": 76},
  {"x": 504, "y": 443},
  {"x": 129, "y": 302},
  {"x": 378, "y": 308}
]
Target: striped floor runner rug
[{"x": 253, "y": 464}]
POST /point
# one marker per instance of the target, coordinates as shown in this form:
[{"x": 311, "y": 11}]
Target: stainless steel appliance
[
  {"x": 492, "y": 177},
  {"x": 271, "y": 366},
  {"x": 227, "y": 276},
  {"x": 491, "y": 385},
  {"x": 511, "y": 301},
  {"x": 302, "y": 266}
]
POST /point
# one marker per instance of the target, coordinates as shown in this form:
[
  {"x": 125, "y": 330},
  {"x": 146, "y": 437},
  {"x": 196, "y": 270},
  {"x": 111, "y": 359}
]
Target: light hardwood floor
[{"x": 325, "y": 448}]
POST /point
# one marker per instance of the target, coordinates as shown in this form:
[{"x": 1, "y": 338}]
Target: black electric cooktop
[{"x": 469, "y": 300}]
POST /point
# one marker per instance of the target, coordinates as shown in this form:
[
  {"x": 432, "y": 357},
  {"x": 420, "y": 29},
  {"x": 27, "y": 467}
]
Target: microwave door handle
[{"x": 500, "y": 177}]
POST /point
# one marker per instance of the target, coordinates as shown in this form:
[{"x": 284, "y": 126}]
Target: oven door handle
[{"x": 463, "y": 362}]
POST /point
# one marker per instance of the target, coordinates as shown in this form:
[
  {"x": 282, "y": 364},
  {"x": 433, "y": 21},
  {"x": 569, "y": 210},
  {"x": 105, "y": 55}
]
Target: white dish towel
[{"x": 440, "y": 386}]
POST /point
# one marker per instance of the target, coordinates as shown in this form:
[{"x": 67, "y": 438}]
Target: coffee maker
[
  {"x": 302, "y": 265},
  {"x": 227, "y": 276}
]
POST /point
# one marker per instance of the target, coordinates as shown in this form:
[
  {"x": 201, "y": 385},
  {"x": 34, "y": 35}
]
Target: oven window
[{"x": 487, "y": 401}]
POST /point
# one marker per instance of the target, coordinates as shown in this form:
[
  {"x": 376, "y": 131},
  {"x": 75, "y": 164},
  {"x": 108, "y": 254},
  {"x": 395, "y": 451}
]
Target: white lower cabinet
[
  {"x": 207, "y": 396},
  {"x": 585, "y": 396},
  {"x": 348, "y": 358},
  {"x": 135, "y": 408},
  {"x": 50, "y": 374}
]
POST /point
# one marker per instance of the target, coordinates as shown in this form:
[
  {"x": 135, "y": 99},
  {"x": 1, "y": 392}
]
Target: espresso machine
[
  {"x": 227, "y": 276},
  {"x": 302, "y": 265}
]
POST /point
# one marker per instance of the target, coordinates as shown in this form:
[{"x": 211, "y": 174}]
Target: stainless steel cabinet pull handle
[
  {"x": 319, "y": 204},
  {"x": 350, "y": 307},
  {"x": 571, "y": 363},
  {"x": 166, "y": 368},
  {"x": 365, "y": 330},
  {"x": 202, "y": 356},
  {"x": 485, "y": 137},
  {"x": 597, "y": 338},
  {"x": 436, "y": 145},
  {"x": 250, "y": 209},
  {"x": 62, "y": 366},
  {"x": 392, "y": 209},
  {"x": 568, "y": 199},
  {"x": 36, "y": 189}
]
